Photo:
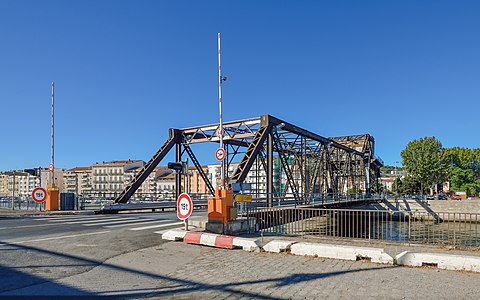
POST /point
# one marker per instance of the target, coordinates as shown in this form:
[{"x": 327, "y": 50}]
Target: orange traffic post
[{"x": 52, "y": 198}]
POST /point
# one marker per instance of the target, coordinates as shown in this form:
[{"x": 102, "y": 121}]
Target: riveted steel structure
[{"x": 297, "y": 163}]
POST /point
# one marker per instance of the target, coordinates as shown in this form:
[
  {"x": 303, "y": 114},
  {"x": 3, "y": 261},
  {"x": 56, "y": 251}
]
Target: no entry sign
[
  {"x": 220, "y": 154},
  {"x": 39, "y": 195},
  {"x": 184, "y": 206}
]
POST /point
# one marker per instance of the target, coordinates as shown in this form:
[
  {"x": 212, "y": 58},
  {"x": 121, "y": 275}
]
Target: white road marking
[
  {"x": 156, "y": 226},
  {"x": 53, "y": 238},
  {"x": 113, "y": 222},
  {"x": 139, "y": 223},
  {"x": 81, "y": 219},
  {"x": 165, "y": 230},
  {"x": 100, "y": 221},
  {"x": 26, "y": 226}
]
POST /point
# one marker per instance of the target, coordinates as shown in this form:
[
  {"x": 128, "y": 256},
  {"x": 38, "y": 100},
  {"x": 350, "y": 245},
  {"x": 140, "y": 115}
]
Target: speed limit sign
[
  {"x": 50, "y": 168},
  {"x": 184, "y": 206},
  {"x": 39, "y": 195}
]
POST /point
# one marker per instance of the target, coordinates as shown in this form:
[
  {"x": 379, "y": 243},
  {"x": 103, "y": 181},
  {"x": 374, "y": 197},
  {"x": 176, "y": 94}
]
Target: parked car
[
  {"x": 431, "y": 197},
  {"x": 442, "y": 197},
  {"x": 455, "y": 197}
]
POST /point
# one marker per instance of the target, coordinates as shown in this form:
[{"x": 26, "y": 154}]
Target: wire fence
[{"x": 439, "y": 228}]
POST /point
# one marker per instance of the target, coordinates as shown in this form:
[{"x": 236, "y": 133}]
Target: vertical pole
[
  {"x": 178, "y": 175},
  {"x": 220, "y": 79},
  {"x": 269, "y": 169},
  {"x": 53, "y": 134},
  {"x": 13, "y": 192}
]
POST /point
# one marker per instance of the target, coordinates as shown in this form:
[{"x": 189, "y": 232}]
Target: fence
[
  {"x": 21, "y": 203},
  {"x": 449, "y": 229}
]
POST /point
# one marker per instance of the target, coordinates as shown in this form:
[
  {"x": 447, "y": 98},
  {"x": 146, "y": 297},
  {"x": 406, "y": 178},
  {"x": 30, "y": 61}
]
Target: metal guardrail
[{"x": 443, "y": 228}]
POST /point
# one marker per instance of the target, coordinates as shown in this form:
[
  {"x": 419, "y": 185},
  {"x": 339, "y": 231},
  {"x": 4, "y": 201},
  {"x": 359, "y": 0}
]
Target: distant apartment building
[
  {"x": 108, "y": 178},
  {"x": 256, "y": 177},
  {"x": 18, "y": 183},
  {"x": 46, "y": 178},
  {"x": 78, "y": 181},
  {"x": 3, "y": 184}
]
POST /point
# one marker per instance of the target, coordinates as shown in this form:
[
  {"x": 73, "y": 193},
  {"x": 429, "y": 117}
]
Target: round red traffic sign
[
  {"x": 220, "y": 154},
  {"x": 39, "y": 195},
  {"x": 51, "y": 167},
  {"x": 184, "y": 206}
]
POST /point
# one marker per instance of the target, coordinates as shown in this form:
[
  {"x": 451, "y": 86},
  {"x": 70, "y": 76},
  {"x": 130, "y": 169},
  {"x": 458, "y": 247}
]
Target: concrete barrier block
[
  {"x": 251, "y": 245},
  {"x": 376, "y": 255},
  {"x": 174, "y": 235},
  {"x": 439, "y": 260},
  {"x": 278, "y": 246},
  {"x": 208, "y": 239}
]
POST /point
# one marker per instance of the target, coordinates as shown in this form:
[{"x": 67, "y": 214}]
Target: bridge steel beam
[{"x": 313, "y": 164}]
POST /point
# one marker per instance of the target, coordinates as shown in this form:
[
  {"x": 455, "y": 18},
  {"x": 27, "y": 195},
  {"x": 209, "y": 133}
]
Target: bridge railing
[{"x": 460, "y": 230}]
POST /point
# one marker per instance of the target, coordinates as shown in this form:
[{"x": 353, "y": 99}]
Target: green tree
[
  {"x": 464, "y": 169},
  {"x": 425, "y": 161}
]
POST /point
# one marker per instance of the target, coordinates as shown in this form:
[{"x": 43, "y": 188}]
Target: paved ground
[{"x": 63, "y": 256}]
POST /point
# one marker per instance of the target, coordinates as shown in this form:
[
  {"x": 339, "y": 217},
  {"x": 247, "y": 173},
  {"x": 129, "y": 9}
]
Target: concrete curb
[
  {"x": 277, "y": 246},
  {"x": 250, "y": 245},
  {"x": 439, "y": 260},
  {"x": 376, "y": 255},
  {"x": 212, "y": 240},
  {"x": 174, "y": 235}
]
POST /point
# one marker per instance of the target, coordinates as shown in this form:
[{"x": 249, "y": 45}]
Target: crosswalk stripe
[
  {"x": 114, "y": 222},
  {"x": 165, "y": 230},
  {"x": 100, "y": 221},
  {"x": 75, "y": 219},
  {"x": 156, "y": 226},
  {"x": 139, "y": 223}
]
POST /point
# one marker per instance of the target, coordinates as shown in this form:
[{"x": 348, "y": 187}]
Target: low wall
[{"x": 445, "y": 206}]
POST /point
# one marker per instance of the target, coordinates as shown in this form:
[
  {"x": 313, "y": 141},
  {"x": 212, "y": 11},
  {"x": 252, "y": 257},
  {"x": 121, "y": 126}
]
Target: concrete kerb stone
[
  {"x": 375, "y": 255},
  {"x": 174, "y": 235},
  {"x": 277, "y": 246},
  {"x": 208, "y": 239},
  {"x": 439, "y": 260},
  {"x": 251, "y": 245},
  {"x": 213, "y": 240}
]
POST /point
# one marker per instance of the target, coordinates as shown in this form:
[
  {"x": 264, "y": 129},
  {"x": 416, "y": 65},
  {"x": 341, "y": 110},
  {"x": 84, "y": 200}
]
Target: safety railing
[
  {"x": 21, "y": 203},
  {"x": 441, "y": 228}
]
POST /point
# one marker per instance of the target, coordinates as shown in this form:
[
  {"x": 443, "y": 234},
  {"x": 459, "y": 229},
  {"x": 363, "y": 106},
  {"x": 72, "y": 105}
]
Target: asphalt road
[{"x": 36, "y": 250}]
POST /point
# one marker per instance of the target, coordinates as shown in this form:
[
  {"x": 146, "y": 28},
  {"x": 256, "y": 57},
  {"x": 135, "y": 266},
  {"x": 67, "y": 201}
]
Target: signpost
[
  {"x": 39, "y": 195},
  {"x": 184, "y": 208},
  {"x": 51, "y": 168},
  {"x": 220, "y": 154}
]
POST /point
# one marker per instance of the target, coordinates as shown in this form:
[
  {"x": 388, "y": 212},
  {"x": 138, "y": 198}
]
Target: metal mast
[
  {"x": 220, "y": 79},
  {"x": 53, "y": 134}
]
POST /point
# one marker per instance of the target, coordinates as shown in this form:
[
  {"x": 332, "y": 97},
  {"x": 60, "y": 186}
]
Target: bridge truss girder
[{"x": 307, "y": 164}]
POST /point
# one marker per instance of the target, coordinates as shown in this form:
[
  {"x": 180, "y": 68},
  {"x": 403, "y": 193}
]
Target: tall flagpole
[
  {"x": 53, "y": 134},
  {"x": 220, "y": 79}
]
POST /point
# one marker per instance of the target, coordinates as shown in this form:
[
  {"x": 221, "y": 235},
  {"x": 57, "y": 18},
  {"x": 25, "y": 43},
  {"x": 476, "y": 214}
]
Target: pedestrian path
[{"x": 134, "y": 223}]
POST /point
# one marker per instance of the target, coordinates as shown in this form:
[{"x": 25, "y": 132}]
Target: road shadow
[{"x": 171, "y": 285}]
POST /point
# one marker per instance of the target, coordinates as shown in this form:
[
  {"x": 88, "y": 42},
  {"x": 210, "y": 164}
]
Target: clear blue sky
[{"x": 126, "y": 71}]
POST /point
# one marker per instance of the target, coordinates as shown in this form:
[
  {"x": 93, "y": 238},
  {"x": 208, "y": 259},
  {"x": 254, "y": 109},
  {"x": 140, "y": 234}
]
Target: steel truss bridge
[{"x": 298, "y": 164}]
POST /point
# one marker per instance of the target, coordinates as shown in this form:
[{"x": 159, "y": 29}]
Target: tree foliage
[
  {"x": 425, "y": 161},
  {"x": 464, "y": 169}
]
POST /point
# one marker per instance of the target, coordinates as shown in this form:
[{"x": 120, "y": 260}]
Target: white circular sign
[
  {"x": 184, "y": 206},
  {"x": 220, "y": 154},
  {"x": 50, "y": 167},
  {"x": 39, "y": 195}
]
